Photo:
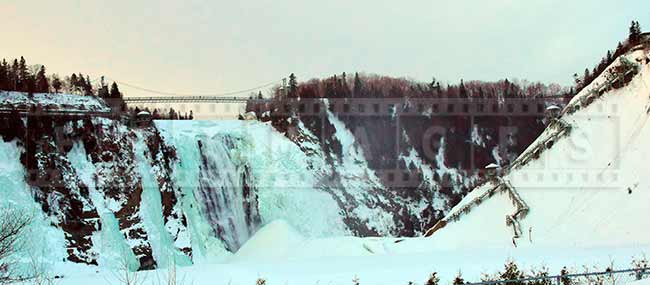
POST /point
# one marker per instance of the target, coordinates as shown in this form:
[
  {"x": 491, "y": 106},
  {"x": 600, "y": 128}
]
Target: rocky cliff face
[
  {"x": 425, "y": 154},
  {"x": 182, "y": 192},
  {"x": 94, "y": 177}
]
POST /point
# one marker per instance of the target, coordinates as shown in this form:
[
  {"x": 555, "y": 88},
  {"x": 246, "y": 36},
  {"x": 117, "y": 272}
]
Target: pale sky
[{"x": 195, "y": 46}]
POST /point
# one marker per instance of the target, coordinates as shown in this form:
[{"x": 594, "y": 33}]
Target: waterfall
[{"x": 226, "y": 191}]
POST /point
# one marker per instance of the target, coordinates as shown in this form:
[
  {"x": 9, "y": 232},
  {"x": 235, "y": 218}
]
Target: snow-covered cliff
[{"x": 582, "y": 181}]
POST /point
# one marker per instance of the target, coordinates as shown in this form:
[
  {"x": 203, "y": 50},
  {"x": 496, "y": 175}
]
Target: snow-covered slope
[
  {"x": 589, "y": 188},
  {"x": 64, "y": 102}
]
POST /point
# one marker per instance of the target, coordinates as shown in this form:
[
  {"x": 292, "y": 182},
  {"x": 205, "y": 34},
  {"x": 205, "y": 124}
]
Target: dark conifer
[
  {"x": 4, "y": 75},
  {"x": 115, "y": 91},
  {"x": 358, "y": 86},
  {"x": 56, "y": 83},
  {"x": 293, "y": 86},
  {"x": 42, "y": 84}
]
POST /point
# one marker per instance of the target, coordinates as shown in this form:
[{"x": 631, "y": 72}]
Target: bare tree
[
  {"x": 123, "y": 273},
  {"x": 12, "y": 224},
  {"x": 171, "y": 276}
]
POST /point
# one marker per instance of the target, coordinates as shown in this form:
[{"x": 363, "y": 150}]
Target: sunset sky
[{"x": 218, "y": 46}]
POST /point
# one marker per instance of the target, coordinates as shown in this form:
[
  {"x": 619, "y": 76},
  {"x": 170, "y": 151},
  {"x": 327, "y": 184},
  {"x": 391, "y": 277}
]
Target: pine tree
[
  {"x": 4, "y": 75},
  {"x": 608, "y": 58},
  {"x": 433, "y": 279},
  {"x": 358, "y": 86},
  {"x": 345, "y": 89},
  {"x": 102, "y": 92},
  {"x": 293, "y": 86},
  {"x": 565, "y": 280},
  {"x": 73, "y": 82},
  {"x": 586, "y": 78},
  {"x": 635, "y": 33},
  {"x": 42, "y": 84},
  {"x": 462, "y": 90},
  {"x": 459, "y": 279},
  {"x": 56, "y": 83},
  {"x": 259, "y": 95},
  {"x": 15, "y": 79},
  {"x": 88, "y": 87},
  {"x": 81, "y": 84},
  {"x": 23, "y": 75},
  {"x": 115, "y": 91},
  {"x": 511, "y": 272}
]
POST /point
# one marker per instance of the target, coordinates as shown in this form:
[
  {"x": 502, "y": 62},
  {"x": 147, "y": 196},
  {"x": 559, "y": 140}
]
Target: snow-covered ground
[
  {"x": 589, "y": 189},
  {"x": 67, "y": 102},
  {"x": 587, "y": 194},
  {"x": 279, "y": 254},
  {"x": 588, "y": 197}
]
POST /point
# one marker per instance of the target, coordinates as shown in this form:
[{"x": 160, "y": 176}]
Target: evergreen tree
[
  {"x": 433, "y": 279},
  {"x": 81, "y": 84},
  {"x": 293, "y": 86},
  {"x": 347, "y": 93},
  {"x": 42, "y": 84},
  {"x": 115, "y": 91},
  {"x": 565, "y": 280},
  {"x": 358, "y": 86},
  {"x": 73, "y": 83},
  {"x": 635, "y": 33},
  {"x": 4, "y": 75},
  {"x": 102, "y": 92},
  {"x": 15, "y": 79},
  {"x": 88, "y": 88},
  {"x": 259, "y": 95},
  {"x": 586, "y": 77},
  {"x": 56, "y": 83},
  {"x": 511, "y": 272},
  {"x": 462, "y": 91},
  {"x": 459, "y": 279},
  {"x": 506, "y": 88},
  {"x": 608, "y": 58},
  {"x": 23, "y": 76}
]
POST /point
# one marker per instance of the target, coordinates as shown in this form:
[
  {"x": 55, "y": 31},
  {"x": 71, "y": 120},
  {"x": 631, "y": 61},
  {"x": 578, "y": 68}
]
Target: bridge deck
[{"x": 186, "y": 99}]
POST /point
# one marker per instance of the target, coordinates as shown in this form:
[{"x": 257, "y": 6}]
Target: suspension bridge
[
  {"x": 173, "y": 97},
  {"x": 187, "y": 99}
]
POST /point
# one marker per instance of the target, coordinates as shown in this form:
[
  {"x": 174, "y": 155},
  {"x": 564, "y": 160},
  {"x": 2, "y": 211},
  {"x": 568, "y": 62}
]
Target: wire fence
[{"x": 608, "y": 277}]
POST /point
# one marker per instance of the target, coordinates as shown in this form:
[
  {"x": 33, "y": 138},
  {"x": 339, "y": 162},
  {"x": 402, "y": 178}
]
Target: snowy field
[{"x": 280, "y": 255}]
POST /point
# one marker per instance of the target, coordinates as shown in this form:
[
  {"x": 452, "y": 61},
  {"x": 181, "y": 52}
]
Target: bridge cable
[{"x": 149, "y": 90}]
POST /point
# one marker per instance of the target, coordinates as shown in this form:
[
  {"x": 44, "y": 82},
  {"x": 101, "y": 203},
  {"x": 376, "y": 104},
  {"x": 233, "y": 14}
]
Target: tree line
[
  {"x": 634, "y": 38},
  {"x": 377, "y": 86},
  {"x": 17, "y": 75},
  {"x": 164, "y": 114}
]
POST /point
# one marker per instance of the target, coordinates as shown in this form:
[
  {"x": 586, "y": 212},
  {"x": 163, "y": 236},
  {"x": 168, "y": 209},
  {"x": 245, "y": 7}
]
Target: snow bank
[
  {"x": 67, "y": 102},
  {"x": 272, "y": 242}
]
